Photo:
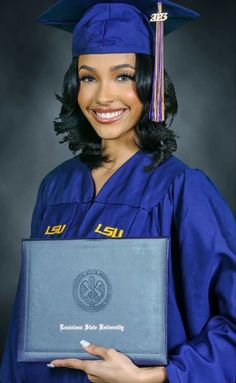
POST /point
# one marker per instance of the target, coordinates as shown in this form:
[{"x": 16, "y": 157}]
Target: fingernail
[
  {"x": 50, "y": 365},
  {"x": 84, "y": 343}
]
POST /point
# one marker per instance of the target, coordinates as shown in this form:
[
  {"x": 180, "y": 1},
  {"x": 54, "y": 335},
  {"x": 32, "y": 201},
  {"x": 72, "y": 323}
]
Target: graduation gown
[{"x": 176, "y": 201}]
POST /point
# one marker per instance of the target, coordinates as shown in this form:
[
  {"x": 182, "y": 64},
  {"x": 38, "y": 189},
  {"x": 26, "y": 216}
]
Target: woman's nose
[{"x": 104, "y": 94}]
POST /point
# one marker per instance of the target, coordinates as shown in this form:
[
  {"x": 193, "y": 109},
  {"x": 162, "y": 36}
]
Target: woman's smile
[{"x": 108, "y": 116}]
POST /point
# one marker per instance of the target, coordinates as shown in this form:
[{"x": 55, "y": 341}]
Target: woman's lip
[
  {"x": 108, "y": 110},
  {"x": 106, "y": 120}
]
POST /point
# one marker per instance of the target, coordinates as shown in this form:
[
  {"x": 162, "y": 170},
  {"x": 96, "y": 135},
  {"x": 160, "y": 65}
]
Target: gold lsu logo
[
  {"x": 57, "y": 229},
  {"x": 109, "y": 231}
]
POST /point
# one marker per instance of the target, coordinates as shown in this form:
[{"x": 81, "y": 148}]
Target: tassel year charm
[{"x": 157, "y": 111}]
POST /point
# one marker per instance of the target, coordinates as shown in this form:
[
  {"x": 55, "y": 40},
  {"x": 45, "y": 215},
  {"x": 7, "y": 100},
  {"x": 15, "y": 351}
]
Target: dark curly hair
[{"x": 154, "y": 138}]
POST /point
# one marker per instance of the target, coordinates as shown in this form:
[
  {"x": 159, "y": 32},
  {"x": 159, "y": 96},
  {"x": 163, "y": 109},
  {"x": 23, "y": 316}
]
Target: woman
[{"x": 126, "y": 177}]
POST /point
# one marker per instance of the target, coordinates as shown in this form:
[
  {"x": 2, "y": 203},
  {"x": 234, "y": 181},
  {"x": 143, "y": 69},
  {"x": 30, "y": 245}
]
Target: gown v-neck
[{"x": 111, "y": 177}]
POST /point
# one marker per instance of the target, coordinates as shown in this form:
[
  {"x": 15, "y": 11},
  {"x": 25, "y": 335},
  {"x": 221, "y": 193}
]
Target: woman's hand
[{"x": 114, "y": 367}]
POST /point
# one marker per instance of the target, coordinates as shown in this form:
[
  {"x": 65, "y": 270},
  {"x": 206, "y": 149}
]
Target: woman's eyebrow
[
  {"x": 86, "y": 67},
  {"x": 121, "y": 66},
  {"x": 112, "y": 69}
]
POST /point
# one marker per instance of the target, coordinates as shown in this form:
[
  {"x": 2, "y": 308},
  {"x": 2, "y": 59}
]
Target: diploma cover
[{"x": 110, "y": 292}]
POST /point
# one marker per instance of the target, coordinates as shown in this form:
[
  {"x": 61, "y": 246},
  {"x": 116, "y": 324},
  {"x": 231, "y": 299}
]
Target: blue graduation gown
[{"x": 175, "y": 201}]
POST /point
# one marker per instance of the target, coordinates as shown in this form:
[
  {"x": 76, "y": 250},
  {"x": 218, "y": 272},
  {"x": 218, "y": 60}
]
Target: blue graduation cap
[{"x": 121, "y": 27}]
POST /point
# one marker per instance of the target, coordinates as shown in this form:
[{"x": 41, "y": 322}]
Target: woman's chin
[
  {"x": 110, "y": 136},
  {"x": 114, "y": 134},
  {"x": 117, "y": 137}
]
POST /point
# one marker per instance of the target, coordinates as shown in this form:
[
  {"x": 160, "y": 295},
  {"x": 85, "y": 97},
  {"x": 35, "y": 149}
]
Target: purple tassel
[{"x": 157, "y": 111}]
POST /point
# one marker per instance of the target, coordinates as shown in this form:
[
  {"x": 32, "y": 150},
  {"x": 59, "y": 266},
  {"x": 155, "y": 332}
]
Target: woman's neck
[{"x": 117, "y": 152}]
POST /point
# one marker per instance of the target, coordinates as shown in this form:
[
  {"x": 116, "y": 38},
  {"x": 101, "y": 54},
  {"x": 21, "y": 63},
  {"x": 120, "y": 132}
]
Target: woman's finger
[
  {"x": 95, "y": 350},
  {"x": 88, "y": 366},
  {"x": 70, "y": 363}
]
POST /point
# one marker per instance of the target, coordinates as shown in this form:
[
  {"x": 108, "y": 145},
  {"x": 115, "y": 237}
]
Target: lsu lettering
[
  {"x": 112, "y": 232},
  {"x": 159, "y": 17},
  {"x": 52, "y": 230}
]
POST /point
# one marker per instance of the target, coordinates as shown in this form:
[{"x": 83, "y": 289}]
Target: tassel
[{"x": 157, "y": 111}]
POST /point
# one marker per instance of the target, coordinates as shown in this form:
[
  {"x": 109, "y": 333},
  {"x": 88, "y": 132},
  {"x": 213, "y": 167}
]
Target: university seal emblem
[{"x": 92, "y": 290}]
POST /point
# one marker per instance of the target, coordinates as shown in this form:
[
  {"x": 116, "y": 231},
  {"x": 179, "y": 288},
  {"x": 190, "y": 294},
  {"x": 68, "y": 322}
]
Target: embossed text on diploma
[{"x": 91, "y": 327}]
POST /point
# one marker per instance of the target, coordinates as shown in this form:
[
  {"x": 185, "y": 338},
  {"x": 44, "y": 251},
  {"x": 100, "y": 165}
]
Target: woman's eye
[
  {"x": 125, "y": 77},
  {"x": 86, "y": 78}
]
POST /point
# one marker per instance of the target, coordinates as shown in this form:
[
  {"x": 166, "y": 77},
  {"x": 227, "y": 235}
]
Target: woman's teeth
[{"x": 109, "y": 116}]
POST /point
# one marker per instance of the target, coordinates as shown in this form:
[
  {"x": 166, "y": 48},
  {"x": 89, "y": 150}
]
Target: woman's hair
[{"x": 154, "y": 137}]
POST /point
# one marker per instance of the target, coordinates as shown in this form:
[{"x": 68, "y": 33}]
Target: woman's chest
[{"x": 103, "y": 220}]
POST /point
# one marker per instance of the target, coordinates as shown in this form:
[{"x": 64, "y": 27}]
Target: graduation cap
[{"x": 121, "y": 27}]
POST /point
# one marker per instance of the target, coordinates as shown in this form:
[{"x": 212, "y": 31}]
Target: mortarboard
[{"x": 121, "y": 27}]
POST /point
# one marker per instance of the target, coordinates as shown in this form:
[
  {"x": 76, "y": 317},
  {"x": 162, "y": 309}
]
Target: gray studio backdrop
[{"x": 200, "y": 58}]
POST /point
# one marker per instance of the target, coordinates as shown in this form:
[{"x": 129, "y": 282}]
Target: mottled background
[{"x": 200, "y": 58}]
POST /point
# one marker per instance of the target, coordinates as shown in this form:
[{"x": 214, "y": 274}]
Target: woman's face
[{"x": 107, "y": 94}]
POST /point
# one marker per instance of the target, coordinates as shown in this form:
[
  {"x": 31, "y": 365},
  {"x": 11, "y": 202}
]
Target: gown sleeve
[
  {"x": 205, "y": 240},
  {"x": 12, "y": 371}
]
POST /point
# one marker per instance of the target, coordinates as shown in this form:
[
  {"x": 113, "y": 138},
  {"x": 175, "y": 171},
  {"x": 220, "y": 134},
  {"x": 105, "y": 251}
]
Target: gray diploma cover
[{"x": 111, "y": 292}]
